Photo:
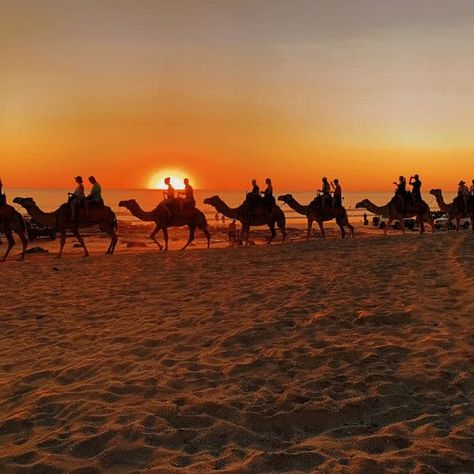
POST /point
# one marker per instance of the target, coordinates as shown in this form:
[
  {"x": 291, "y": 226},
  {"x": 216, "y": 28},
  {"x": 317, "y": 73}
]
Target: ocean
[{"x": 49, "y": 200}]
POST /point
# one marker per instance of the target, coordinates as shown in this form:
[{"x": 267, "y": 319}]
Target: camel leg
[
  {"x": 192, "y": 230},
  {"x": 109, "y": 230},
  {"x": 402, "y": 225},
  {"x": 80, "y": 240},
  {"x": 62, "y": 242},
  {"x": 165, "y": 236},
  {"x": 272, "y": 232},
  {"x": 422, "y": 224},
  {"x": 207, "y": 234},
  {"x": 458, "y": 222},
  {"x": 284, "y": 235},
  {"x": 11, "y": 242},
  {"x": 321, "y": 228},
  {"x": 387, "y": 225},
  {"x": 24, "y": 242},
  {"x": 153, "y": 237},
  {"x": 351, "y": 228},
  {"x": 310, "y": 228},
  {"x": 246, "y": 233}
]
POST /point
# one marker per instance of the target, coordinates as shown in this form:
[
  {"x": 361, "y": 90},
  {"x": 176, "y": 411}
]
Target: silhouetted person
[
  {"x": 325, "y": 192},
  {"x": 471, "y": 189},
  {"x": 3, "y": 198},
  {"x": 401, "y": 190},
  {"x": 415, "y": 184},
  {"x": 77, "y": 197},
  {"x": 255, "y": 189},
  {"x": 169, "y": 196},
  {"x": 463, "y": 193},
  {"x": 253, "y": 197},
  {"x": 95, "y": 196},
  {"x": 366, "y": 220},
  {"x": 268, "y": 198},
  {"x": 232, "y": 232},
  {"x": 188, "y": 196},
  {"x": 337, "y": 192}
]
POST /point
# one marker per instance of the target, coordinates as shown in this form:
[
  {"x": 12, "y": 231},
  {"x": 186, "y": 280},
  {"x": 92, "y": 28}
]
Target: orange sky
[{"x": 227, "y": 91}]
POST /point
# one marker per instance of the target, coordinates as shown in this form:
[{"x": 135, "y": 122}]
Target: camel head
[
  {"x": 25, "y": 202},
  {"x": 128, "y": 204},
  {"x": 213, "y": 200},
  {"x": 435, "y": 192},
  {"x": 286, "y": 198},
  {"x": 362, "y": 204}
]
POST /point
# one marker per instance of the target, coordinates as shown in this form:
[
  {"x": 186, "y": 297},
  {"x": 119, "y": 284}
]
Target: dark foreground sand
[{"x": 337, "y": 356}]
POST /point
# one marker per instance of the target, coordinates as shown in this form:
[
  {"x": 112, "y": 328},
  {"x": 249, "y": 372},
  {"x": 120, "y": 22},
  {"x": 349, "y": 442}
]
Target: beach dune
[{"x": 335, "y": 356}]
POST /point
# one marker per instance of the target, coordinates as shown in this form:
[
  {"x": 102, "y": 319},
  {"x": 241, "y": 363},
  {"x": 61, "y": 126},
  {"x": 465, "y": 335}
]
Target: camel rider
[
  {"x": 325, "y": 192},
  {"x": 471, "y": 189},
  {"x": 337, "y": 192},
  {"x": 77, "y": 198},
  {"x": 168, "y": 197},
  {"x": 253, "y": 197},
  {"x": 463, "y": 193},
  {"x": 95, "y": 196},
  {"x": 3, "y": 198},
  {"x": 268, "y": 199},
  {"x": 401, "y": 190},
  {"x": 415, "y": 184},
  {"x": 188, "y": 196}
]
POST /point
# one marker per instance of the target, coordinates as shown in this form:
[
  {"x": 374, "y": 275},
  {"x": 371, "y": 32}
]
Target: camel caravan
[{"x": 258, "y": 209}]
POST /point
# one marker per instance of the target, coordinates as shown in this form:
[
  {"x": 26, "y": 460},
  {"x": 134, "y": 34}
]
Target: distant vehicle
[
  {"x": 381, "y": 222},
  {"x": 440, "y": 223},
  {"x": 35, "y": 230}
]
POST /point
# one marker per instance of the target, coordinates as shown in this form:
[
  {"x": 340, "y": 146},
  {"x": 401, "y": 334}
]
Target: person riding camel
[
  {"x": 3, "y": 198},
  {"x": 401, "y": 191},
  {"x": 77, "y": 198},
  {"x": 471, "y": 189},
  {"x": 95, "y": 196},
  {"x": 188, "y": 196},
  {"x": 415, "y": 184},
  {"x": 253, "y": 197},
  {"x": 325, "y": 192},
  {"x": 463, "y": 193},
  {"x": 168, "y": 197},
  {"x": 268, "y": 199},
  {"x": 337, "y": 201}
]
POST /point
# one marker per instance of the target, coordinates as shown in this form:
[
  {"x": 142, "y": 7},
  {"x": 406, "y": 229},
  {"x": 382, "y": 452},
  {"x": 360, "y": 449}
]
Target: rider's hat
[{"x": 461, "y": 183}]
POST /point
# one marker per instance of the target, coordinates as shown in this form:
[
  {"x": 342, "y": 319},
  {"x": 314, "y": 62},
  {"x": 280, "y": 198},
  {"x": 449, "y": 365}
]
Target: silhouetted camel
[{"x": 12, "y": 221}]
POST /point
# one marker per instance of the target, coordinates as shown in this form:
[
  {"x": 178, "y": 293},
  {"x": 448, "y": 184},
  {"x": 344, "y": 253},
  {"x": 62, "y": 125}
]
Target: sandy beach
[{"x": 339, "y": 356}]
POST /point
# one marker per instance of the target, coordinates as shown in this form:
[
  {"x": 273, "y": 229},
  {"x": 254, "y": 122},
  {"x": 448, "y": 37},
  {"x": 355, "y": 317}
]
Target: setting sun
[{"x": 156, "y": 181}]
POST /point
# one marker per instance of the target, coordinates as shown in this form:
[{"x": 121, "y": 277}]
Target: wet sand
[{"x": 336, "y": 356}]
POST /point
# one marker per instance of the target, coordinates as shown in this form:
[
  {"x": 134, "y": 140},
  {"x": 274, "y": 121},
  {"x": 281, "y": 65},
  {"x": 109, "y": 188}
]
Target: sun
[{"x": 156, "y": 181}]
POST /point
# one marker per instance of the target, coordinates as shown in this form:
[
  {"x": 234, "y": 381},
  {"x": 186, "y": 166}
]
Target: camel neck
[
  {"x": 43, "y": 218},
  {"x": 440, "y": 200},
  {"x": 139, "y": 213},
  {"x": 223, "y": 208},
  {"x": 296, "y": 206}
]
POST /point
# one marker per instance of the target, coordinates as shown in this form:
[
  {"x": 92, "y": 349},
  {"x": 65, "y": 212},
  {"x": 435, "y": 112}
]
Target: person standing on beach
[{"x": 415, "y": 183}]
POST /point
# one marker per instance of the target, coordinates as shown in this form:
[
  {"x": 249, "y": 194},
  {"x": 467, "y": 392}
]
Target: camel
[
  {"x": 261, "y": 217},
  {"x": 454, "y": 209},
  {"x": 393, "y": 210},
  {"x": 190, "y": 217},
  {"x": 12, "y": 221},
  {"x": 102, "y": 216},
  {"x": 314, "y": 212}
]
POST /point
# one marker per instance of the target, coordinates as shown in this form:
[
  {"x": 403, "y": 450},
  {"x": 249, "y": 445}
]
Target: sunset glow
[
  {"x": 359, "y": 90},
  {"x": 156, "y": 181}
]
